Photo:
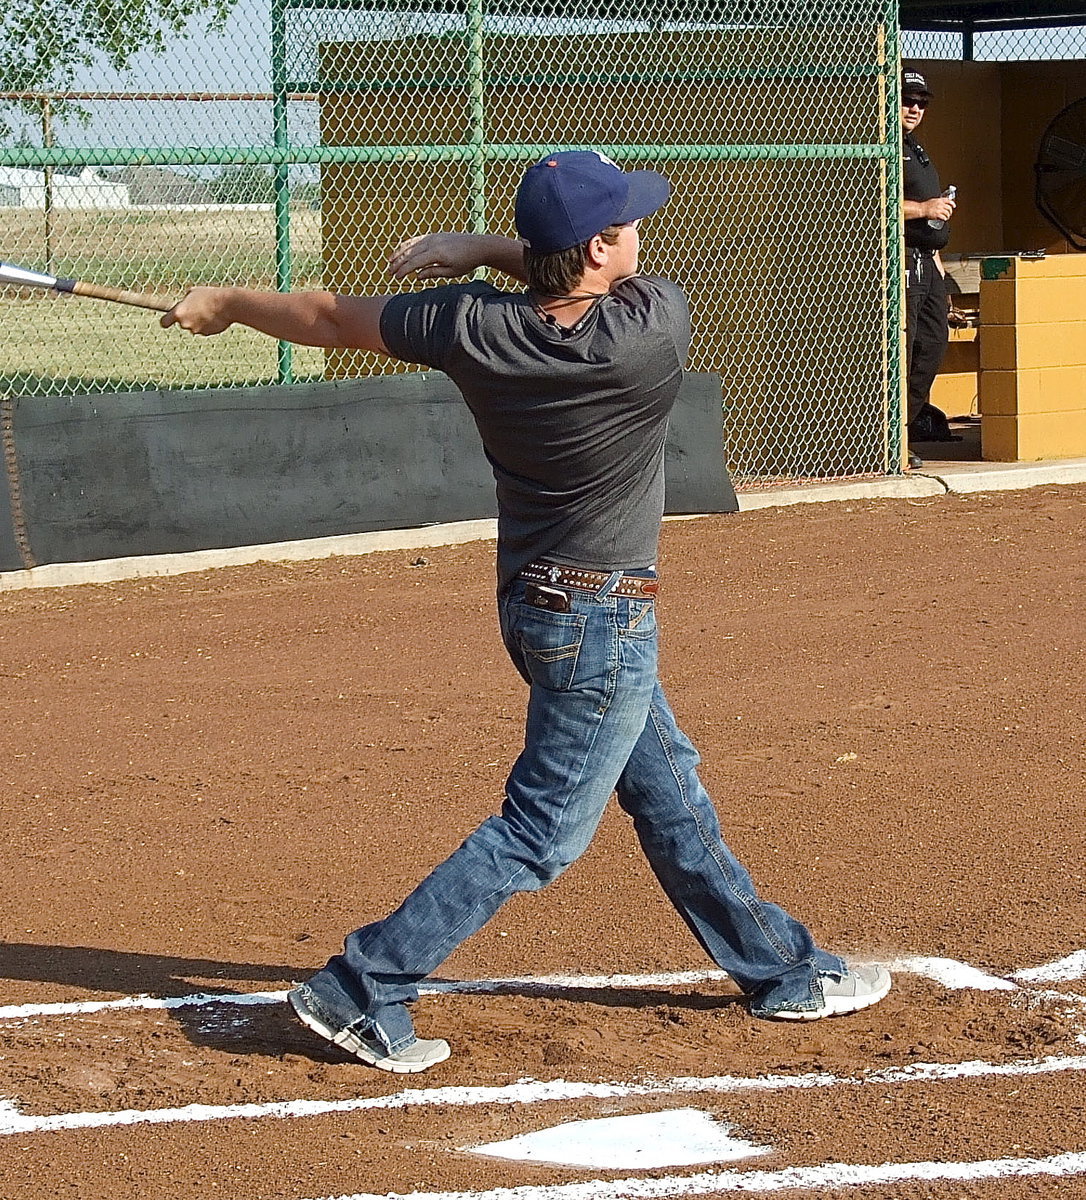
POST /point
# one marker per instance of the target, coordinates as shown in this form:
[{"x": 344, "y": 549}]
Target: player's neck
[
  {"x": 577, "y": 303},
  {"x": 566, "y": 310}
]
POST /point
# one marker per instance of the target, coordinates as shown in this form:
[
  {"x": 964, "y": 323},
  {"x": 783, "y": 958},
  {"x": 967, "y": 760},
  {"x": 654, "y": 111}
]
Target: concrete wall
[{"x": 161, "y": 472}]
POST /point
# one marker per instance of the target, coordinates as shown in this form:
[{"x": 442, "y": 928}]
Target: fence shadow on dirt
[
  {"x": 241, "y": 1029},
  {"x": 91, "y": 969},
  {"x": 603, "y": 996},
  {"x": 607, "y": 997},
  {"x": 271, "y": 1028}
]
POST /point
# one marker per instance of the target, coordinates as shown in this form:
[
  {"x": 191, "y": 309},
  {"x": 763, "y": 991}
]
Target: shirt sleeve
[
  {"x": 419, "y": 327},
  {"x": 667, "y": 309}
]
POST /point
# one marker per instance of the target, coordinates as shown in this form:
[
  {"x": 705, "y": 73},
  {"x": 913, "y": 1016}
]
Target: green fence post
[
  {"x": 281, "y": 140},
  {"x": 477, "y": 199},
  {"x": 895, "y": 274},
  {"x": 47, "y": 141}
]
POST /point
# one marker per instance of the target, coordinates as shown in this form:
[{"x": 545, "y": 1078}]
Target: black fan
[{"x": 1060, "y": 170}]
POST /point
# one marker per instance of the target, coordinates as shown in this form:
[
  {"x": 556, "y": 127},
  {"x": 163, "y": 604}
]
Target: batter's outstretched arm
[
  {"x": 447, "y": 255},
  {"x": 308, "y": 318}
]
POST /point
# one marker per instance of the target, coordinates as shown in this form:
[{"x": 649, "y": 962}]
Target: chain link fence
[{"x": 291, "y": 143}]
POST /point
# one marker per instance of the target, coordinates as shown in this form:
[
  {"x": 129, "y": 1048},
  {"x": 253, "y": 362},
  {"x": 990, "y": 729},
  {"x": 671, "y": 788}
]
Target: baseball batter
[{"x": 570, "y": 381}]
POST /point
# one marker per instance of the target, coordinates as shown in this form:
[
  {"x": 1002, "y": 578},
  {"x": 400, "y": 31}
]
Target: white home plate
[{"x": 664, "y": 1139}]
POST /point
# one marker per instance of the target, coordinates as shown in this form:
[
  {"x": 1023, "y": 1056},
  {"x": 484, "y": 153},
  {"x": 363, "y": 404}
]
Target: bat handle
[{"x": 97, "y": 291}]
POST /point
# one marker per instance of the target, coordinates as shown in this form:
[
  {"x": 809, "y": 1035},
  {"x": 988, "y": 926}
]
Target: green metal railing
[{"x": 519, "y": 152}]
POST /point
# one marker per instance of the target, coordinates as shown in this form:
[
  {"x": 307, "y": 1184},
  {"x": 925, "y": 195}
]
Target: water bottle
[{"x": 949, "y": 194}]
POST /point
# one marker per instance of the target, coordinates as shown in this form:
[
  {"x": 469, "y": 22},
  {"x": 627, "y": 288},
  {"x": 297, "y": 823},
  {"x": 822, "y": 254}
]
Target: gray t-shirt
[{"x": 572, "y": 421}]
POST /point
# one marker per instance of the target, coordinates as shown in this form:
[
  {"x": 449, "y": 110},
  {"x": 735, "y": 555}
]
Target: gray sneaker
[
  {"x": 419, "y": 1056},
  {"x": 859, "y": 988}
]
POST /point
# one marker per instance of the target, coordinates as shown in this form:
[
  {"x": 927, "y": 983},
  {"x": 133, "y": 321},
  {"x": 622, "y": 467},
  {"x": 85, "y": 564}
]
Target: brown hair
[{"x": 559, "y": 273}]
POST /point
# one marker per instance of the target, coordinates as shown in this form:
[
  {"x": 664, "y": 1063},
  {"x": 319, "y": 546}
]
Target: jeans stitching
[
  {"x": 634, "y": 622},
  {"x": 614, "y": 655},
  {"x": 556, "y": 654}
]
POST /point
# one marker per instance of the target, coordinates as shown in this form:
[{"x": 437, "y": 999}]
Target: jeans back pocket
[{"x": 551, "y": 645}]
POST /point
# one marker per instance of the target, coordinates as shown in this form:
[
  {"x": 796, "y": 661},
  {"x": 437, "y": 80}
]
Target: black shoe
[{"x": 915, "y": 461}]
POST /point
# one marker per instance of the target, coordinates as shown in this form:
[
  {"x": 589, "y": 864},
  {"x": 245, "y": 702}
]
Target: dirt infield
[{"x": 211, "y": 777}]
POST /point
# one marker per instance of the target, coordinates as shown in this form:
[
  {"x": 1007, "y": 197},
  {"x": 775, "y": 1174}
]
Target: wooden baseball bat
[{"x": 13, "y": 276}]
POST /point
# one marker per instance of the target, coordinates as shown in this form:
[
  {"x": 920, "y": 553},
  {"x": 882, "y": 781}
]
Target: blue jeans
[{"x": 597, "y": 722}]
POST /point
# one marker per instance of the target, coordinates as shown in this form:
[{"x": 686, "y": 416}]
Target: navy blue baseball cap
[{"x": 572, "y": 195}]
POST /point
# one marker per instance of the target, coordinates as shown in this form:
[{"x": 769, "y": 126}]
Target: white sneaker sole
[
  {"x": 837, "y": 1006},
  {"x": 361, "y": 1050}
]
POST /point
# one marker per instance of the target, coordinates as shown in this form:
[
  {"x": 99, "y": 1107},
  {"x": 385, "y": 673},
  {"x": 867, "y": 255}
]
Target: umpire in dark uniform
[{"x": 927, "y": 211}]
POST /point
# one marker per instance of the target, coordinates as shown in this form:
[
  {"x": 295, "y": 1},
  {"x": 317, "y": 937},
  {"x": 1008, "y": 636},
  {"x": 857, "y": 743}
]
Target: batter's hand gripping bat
[{"x": 12, "y": 276}]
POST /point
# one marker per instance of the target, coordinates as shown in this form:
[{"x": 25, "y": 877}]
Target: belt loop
[{"x": 613, "y": 580}]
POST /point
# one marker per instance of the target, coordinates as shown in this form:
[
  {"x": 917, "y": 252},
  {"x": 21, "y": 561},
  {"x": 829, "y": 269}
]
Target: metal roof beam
[{"x": 990, "y": 14}]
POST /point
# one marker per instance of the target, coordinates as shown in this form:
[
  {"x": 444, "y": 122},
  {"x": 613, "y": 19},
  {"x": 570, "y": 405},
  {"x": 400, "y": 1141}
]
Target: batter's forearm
[
  {"x": 306, "y": 318},
  {"x": 447, "y": 255},
  {"x": 504, "y": 254}
]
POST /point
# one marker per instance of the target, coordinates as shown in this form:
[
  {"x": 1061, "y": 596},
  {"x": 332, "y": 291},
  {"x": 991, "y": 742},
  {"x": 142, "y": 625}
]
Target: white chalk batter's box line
[
  {"x": 816, "y": 1180},
  {"x": 827, "y": 1175},
  {"x": 948, "y": 972}
]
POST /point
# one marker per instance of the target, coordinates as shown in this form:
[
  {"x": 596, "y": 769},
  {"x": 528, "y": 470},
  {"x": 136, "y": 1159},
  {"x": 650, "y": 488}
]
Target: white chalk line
[
  {"x": 20, "y": 1012},
  {"x": 946, "y": 971},
  {"x": 1063, "y": 970},
  {"x": 530, "y": 1092},
  {"x": 949, "y": 972},
  {"x": 827, "y": 1175}
]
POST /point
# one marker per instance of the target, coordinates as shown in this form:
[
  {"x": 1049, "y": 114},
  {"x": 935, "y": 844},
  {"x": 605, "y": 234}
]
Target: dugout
[{"x": 1001, "y": 73}]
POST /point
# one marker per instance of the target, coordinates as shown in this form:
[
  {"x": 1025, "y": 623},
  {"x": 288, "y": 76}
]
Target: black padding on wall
[
  {"x": 10, "y": 559},
  {"x": 159, "y": 472},
  {"x": 697, "y": 479}
]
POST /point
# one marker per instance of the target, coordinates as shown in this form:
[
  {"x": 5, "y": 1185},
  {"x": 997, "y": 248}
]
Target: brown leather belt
[{"x": 630, "y": 586}]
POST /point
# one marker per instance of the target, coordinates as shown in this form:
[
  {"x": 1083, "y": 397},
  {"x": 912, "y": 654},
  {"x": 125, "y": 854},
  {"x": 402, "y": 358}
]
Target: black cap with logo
[{"x": 914, "y": 84}]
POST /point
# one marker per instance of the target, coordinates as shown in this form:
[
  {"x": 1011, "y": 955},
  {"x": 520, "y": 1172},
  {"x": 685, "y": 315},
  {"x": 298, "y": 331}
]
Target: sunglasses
[{"x": 920, "y": 102}]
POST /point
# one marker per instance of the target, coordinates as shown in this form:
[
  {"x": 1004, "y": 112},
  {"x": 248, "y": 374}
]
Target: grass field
[
  {"x": 56, "y": 345},
  {"x": 163, "y": 249}
]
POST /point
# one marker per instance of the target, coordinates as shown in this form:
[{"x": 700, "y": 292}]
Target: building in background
[{"x": 22, "y": 188}]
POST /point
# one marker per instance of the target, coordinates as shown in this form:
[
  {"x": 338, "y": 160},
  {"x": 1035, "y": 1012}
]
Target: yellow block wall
[
  {"x": 1033, "y": 360},
  {"x": 962, "y": 131},
  {"x": 955, "y": 390},
  {"x": 982, "y": 132},
  {"x": 1033, "y": 93}
]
